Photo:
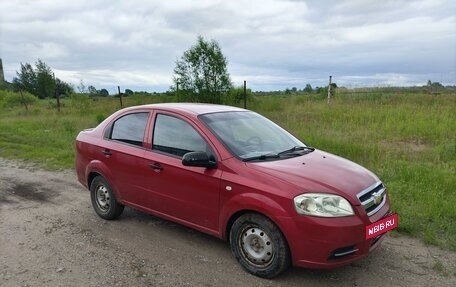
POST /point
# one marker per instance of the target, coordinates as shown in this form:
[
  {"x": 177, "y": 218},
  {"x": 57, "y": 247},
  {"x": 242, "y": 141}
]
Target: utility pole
[{"x": 329, "y": 89}]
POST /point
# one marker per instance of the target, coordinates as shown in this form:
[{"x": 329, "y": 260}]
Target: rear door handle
[
  {"x": 156, "y": 166},
  {"x": 106, "y": 152}
]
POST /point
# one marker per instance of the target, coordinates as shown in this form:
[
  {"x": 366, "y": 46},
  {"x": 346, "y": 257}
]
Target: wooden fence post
[
  {"x": 57, "y": 95},
  {"x": 245, "y": 94},
  {"x": 329, "y": 89},
  {"x": 120, "y": 97},
  {"x": 177, "y": 92},
  {"x": 23, "y": 100}
]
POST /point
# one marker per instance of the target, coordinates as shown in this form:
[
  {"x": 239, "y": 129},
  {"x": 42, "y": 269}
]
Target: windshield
[{"x": 249, "y": 135}]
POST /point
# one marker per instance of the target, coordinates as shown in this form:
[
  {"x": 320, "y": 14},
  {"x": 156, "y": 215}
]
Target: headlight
[{"x": 322, "y": 204}]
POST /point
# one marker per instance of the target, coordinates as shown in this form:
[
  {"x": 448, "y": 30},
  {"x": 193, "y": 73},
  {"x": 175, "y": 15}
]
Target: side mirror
[{"x": 199, "y": 158}]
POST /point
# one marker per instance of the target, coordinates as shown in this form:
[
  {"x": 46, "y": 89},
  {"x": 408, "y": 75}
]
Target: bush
[
  {"x": 10, "y": 99},
  {"x": 236, "y": 96}
]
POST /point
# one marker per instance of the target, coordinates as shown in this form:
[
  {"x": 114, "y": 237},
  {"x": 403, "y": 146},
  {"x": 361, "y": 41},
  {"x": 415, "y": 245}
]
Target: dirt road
[{"x": 50, "y": 236}]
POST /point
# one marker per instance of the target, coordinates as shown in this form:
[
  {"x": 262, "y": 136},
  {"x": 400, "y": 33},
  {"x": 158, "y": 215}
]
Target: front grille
[{"x": 373, "y": 198}]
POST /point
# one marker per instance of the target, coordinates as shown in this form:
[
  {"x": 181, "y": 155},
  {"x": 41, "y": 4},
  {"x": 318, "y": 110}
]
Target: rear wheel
[
  {"x": 103, "y": 199},
  {"x": 259, "y": 246}
]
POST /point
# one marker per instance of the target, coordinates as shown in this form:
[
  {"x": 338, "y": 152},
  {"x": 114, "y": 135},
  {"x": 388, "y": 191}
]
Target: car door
[
  {"x": 188, "y": 194},
  {"x": 122, "y": 152}
]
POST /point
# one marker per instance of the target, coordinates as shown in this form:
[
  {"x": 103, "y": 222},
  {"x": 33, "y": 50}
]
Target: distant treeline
[{"x": 362, "y": 90}]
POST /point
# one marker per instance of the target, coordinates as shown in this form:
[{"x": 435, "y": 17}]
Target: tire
[
  {"x": 259, "y": 246},
  {"x": 103, "y": 199}
]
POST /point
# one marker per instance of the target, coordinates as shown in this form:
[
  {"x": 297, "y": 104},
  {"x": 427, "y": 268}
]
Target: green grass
[{"x": 408, "y": 138}]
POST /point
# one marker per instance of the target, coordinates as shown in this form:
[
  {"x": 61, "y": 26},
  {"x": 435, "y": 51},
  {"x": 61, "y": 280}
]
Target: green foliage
[
  {"x": 236, "y": 96},
  {"x": 128, "y": 92},
  {"x": 6, "y": 86},
  {"x": 93, "y": 92},
  {"x": 322, "y": 90},
  {"x": 435, "y": 85},
  {"x": 26, "y": 79},
  {"x": 100, "y": 118},
  {"x": 45, "y": 84},
  {"x": 103, "y": 93},
  {"x": 201, "y": 74},
  {"x": 40, "y": 81},
  {"x": 10, "y": 99},
  {"x": 406, "y": 136},
  {"x": 63, "y": 88},
  {"x": 308, "y": 88},
  {"x": 80, "y": 102}
]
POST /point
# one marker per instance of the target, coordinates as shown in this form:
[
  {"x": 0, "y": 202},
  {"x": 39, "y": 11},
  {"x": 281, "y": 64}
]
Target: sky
[{"x": 271, "y": 44}]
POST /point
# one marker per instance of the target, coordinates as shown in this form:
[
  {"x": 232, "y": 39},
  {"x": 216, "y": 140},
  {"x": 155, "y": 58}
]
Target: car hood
[{"x": 320, "y": 171}]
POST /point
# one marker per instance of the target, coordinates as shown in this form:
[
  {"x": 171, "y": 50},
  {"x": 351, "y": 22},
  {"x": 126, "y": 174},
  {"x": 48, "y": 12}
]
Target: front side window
[
  {"x": 177, "y": 137},
  {"x": 130, "y": 128}
]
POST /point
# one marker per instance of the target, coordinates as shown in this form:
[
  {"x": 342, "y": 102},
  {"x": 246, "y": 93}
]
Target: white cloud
[{"x": 271, "y": 43}]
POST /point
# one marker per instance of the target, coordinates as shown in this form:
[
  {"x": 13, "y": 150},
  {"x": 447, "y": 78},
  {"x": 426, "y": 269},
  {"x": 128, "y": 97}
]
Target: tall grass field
[{"x": 408, "y": 138}]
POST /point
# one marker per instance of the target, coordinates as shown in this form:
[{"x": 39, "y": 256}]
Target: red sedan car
[{"x": 234, "y": 174}]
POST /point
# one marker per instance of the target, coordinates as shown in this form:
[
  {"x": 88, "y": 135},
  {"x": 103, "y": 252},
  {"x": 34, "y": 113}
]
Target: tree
[
  {"x": 128, "y": 92},
  {"x": 45, "y": 83},
  {"x": 201, "y": 73},
  {"x": 26, "y": 79},
  {"x": 81, "y": 87},
  {"x": 308, "y": 88},
  {"x": 40, "y": 81},
  {"x": 103, "y": 92},
  {"x": 92, "y": 90},
  {"x": 63, "y": 88},
  {"x": 437, "y": 85}
]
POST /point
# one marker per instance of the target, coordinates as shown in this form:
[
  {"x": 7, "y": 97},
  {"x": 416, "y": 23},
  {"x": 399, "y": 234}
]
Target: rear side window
[
  {"x": 177, "y": 137},
  {"x": 130, "y": 128}
]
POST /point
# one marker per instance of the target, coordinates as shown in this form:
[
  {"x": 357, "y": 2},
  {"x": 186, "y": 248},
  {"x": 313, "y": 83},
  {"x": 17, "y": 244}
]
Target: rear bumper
[{"x": 331, "y": 242}]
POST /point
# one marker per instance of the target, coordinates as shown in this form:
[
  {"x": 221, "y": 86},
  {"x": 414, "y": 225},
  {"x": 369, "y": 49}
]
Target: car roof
[{"x": 191, "y": 108}]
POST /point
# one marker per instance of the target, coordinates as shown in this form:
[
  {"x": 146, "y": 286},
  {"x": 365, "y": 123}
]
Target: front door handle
[
  {"x": 156, "y": 166},
  {"x": 106, "y": 152}
]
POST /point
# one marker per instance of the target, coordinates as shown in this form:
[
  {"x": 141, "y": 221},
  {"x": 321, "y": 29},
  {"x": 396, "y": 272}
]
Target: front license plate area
[{"x": 382, "y": 226}]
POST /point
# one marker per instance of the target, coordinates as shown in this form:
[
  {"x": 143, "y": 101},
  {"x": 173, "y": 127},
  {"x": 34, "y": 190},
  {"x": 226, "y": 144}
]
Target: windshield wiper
[
  {"x": 262, "y": 157},
  {"x": 297, "y": 149}
]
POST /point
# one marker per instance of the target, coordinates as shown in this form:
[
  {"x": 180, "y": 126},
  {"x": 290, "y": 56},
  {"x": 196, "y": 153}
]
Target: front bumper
[{"x": 317, "y": 242}]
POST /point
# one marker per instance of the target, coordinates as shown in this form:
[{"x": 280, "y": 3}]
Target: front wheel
[
  {"x": 259, "y": 246},
  {"x": 103, "y": 199}
]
